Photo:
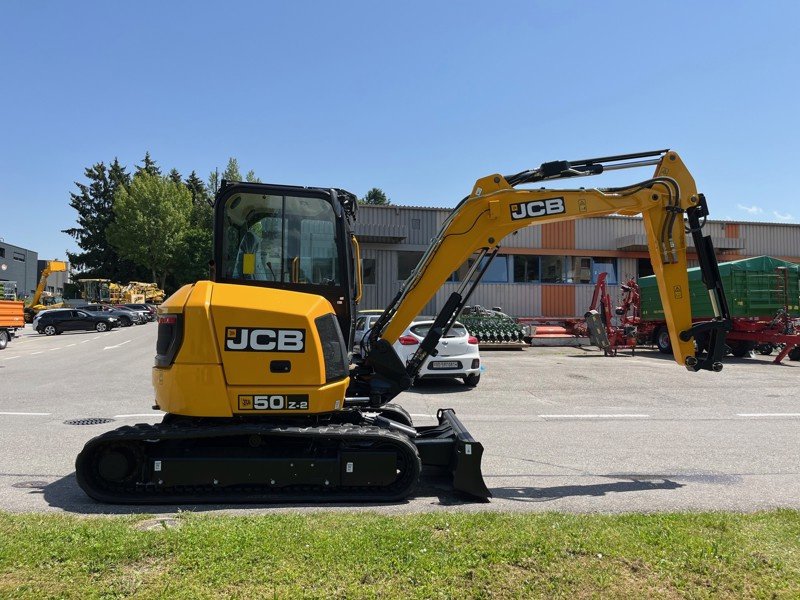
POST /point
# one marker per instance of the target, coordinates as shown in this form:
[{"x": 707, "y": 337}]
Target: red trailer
[
  {"x": 761, "y": 284},
  {"x": 748, "y": 333}
]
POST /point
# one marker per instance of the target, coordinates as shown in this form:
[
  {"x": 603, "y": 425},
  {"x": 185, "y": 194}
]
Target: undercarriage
[{"x": 356, "y": 456}]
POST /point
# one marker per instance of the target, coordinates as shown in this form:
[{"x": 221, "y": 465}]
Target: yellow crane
[
  {"x": 252, "y": 366},
  {"x": 40, "y": 300}
]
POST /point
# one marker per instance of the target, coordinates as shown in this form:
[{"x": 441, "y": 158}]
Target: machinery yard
[{"x": 563, "y": 429}]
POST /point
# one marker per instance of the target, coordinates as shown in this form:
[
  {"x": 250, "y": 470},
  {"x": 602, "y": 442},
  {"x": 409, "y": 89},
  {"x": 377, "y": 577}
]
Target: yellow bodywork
[{"x": 209, "y": 380}]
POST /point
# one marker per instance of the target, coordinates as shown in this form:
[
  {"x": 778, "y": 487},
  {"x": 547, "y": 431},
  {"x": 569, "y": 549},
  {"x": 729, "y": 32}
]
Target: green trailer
[
  {"x": 755, "y": 288},
  {"x": 763, "y": 296}
]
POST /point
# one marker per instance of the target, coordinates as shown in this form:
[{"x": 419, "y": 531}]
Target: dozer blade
[{"x": 451, "y": 446}]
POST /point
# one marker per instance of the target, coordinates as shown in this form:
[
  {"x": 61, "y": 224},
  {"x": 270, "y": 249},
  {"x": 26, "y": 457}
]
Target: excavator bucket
[{"x": 449, "y": 445}]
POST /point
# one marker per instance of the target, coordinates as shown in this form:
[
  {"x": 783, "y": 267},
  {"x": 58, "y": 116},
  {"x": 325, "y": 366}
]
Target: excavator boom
[{"x": 496, "y": 208}]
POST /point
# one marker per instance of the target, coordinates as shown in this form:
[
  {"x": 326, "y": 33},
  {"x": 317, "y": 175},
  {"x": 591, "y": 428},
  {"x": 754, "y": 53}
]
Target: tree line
[{"x": 150, "y": 226}]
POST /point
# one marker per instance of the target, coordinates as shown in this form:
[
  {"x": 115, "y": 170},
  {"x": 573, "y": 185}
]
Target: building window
[
  {"x": 497, "y": 271},
  {"x": 552, "y": 269},
  {"x": 407, "y": 262},
  {"x": 368, "y": 271},
  {"x": 526, "y": 268},
  {"x": 580, "y": 269},
  {"x": 605, "y": 265},
  {"x": 2, "y": 252},
  {"x": 644, "y": 267},
  {"x": 415, "y": 223},
  {"x": 19, "y": 256}
]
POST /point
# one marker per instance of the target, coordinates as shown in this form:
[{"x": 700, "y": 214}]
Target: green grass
[{"x": 335, "y": 555}]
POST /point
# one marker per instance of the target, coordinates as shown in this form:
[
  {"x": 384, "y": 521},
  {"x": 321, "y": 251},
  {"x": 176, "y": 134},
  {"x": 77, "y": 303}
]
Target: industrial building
[
  {"x": 20, "y": 265},
  {"x": 543, "y": 270},
  {"x": 23, "y": 266}
]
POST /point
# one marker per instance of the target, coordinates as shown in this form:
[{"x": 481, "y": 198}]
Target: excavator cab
[{"x": 291, "y": 238}]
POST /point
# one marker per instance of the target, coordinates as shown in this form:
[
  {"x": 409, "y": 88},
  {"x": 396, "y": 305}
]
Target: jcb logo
[
  {"x": 274, "y": 402},
  {"x": 245, "y": 339},
  {"x": 537, "y": 208}
]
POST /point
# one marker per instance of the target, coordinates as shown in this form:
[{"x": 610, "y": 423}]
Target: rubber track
[{"x": 141, "y": 493}]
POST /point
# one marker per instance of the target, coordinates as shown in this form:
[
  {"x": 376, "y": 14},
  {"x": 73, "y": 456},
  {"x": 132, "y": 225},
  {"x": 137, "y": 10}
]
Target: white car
[
  {"x": 364, "y": 322},
  {"x": 458, "y": 353}
]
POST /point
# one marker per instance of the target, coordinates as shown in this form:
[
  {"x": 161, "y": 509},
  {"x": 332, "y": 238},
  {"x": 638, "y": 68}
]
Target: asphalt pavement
[{"x": 564, "y": 429}]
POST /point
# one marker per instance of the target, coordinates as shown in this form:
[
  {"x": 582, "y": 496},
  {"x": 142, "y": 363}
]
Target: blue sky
[{"x": 418, "y": 98}]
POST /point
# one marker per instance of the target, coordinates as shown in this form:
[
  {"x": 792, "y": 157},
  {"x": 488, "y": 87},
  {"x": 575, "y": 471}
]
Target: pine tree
[
  {"x": 175, "y": 176},
  {"x": 375, "y": 196},
  {"x": 213, "y": 183},
  {"x": 148, "y": 166},
  {"x": 251, "y": 177},
  {"x": 196, "y": 188},
  {"x": 231, "y": 172},
  {"x": 93, "y": 203}
]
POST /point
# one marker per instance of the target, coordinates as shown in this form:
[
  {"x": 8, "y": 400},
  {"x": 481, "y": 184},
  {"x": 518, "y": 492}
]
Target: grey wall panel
[
  {"x": 517, "y": 300},
  {"x": 602, "y": 233},
  {"x": 626, "y": 267},
  {"x": 774, "y": 240},
  {"x": 529, "y": 237},
  {"x": 583, "y": 297}
]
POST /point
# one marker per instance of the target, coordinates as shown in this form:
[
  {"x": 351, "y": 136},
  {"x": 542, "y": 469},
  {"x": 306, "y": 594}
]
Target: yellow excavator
[
  {"x": 252, "y": 366},
  {"x": 41, "y": 300}
]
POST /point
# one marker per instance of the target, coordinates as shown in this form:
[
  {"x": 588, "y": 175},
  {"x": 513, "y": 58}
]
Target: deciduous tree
[{"x": 151, "y": 222}]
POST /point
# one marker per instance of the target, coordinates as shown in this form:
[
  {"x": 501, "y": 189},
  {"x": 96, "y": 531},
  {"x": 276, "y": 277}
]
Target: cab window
[{"x": 284, "y": 239}]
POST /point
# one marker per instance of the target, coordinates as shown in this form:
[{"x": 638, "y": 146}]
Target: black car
[
  {"x": 55, "y": 322},
  {"x": 126, "y": 317},
  {"x": 143, "y": 309}
]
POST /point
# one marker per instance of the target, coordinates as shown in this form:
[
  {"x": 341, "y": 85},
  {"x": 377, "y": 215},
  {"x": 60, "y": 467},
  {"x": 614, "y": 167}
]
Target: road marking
[
  {"x": 71, "y": 345},
  {"x": 51, "y": 349},
  {"x": 619, "y": 416},
  {"x": 768, "y": 414},
  {"x": 152, "y": 414},
  {"x": 116, "y": 346},
  {"x": 11, "y": 357},
  {"x": 24, "y": 414},
  {"x": 85, "y": 341},
  {"x": 423, "y": 415},
  {"x": 39, "y": 352}
]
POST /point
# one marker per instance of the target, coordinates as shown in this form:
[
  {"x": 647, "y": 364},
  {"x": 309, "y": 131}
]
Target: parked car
[
  {"x": 126, "y": 317},
  {"x": 142, "y": 309},
  {"x": 364, "y": 322},
  {"x": 57, "y": 321},
  {"x": 458, "y": 355},
  {"x": 39, "y": 316}
]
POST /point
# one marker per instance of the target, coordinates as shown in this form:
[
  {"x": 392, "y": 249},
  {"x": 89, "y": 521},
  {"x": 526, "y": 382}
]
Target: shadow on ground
[
  {"x": 547, "y": 494},
  {"x": 439, "y": 385},
  {"x": 65, "y": 494}
]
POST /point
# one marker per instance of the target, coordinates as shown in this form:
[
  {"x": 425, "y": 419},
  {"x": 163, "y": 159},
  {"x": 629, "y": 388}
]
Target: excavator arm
[{"x": 496, "y": 208}]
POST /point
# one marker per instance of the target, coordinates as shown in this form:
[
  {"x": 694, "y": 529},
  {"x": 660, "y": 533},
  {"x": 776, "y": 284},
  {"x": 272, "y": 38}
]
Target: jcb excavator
[{"x": 252, "y": 366}]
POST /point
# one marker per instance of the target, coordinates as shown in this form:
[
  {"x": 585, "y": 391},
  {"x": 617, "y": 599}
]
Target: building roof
[{"x": 450, "y": 208}]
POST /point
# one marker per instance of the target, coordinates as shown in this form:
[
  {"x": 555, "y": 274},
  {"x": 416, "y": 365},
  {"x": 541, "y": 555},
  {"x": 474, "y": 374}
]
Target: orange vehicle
[{"x": 12, "y": 317}]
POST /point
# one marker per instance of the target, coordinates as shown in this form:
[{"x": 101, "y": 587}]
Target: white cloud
[
  {"x": 782, "y": 216},
  {"x": 753, "y": 210}
]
